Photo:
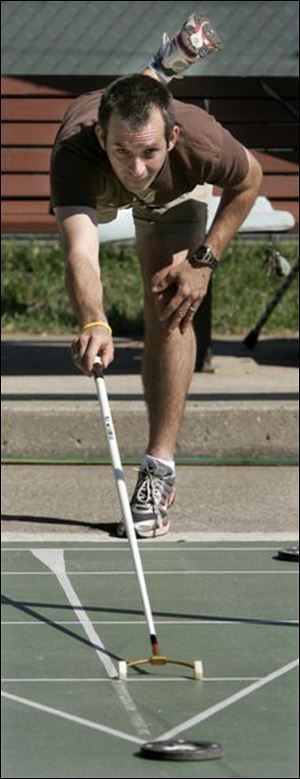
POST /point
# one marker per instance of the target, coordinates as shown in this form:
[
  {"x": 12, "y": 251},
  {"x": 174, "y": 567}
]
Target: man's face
[{"x": 137, "y": 156}]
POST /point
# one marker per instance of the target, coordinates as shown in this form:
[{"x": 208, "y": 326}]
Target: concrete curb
[
  {"x": 73, "y": 429},
  {"x": 248, "y": 407}
]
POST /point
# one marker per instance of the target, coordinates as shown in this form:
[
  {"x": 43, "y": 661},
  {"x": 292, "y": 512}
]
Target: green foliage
[
  {"x": 242, "y": 286},
  {"x": 33, "y": 294},
  {"x": 34, "y": 297},
  {"x": 122, "y": 289}
]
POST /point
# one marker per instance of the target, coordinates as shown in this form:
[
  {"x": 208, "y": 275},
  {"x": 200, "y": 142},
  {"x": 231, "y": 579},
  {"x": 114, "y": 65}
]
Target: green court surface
[{"x": 71, "y": 610}]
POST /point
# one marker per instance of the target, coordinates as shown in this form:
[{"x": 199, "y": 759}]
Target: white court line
[
  {"x": 72, "y": 717},
  {"x": 190, "y": 723},
  {"x": 15, "y": 536},
  {"x": 152, "y": 549},
  {"x": 54, "y": 559},
  {"x": 153, "y": 573},
  {"x": 143, "y": 679},
  {"x": 182, "y": 622}
]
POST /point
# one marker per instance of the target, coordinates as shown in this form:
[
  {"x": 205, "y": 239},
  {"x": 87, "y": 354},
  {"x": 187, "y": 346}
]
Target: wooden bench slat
[
  {"x": 280, "y": 186},
  {"x": 27, "y": 223},
  {"x": 34, "y": 106},
  {"x": 25, "y": 160},
  {"x": 231, "y": 110},
  {"x": 254, "y": 136},
  {"x": 272, "y": 164},
  {"x": 36, "y": 109},
  {"x": 251, "y": 110},
  {"x": 27, "y": 134},
  {"x": 40, "y": 206},
  {"x": 266, "y": 136},
  {"x": 39, "y": 86},
  {"x": 192, "y": 86},
  {"x": 31, "y": 185},
  {"x": 233, "y": 87},
  {"x": 37, "y": 185},
  {"x": 14, "y": 160},
  {"x": 22, "y": 86}
]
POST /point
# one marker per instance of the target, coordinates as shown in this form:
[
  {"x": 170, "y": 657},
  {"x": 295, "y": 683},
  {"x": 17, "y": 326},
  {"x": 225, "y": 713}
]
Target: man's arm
[
  {"x": 81, "y": 249},
  {"x": 191, "y": 284},
  {"x": 235, "y": 204}
]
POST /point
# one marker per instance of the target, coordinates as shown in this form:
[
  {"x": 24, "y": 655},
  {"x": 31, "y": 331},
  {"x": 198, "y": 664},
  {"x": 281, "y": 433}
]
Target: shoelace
[{"x": 152, "y": 490}]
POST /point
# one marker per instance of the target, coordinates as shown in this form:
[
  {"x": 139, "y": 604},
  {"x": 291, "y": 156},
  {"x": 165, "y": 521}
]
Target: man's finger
[
  {"x": 173, "y": 306},
  {"x": 161, "y": 281},
  {"x": 178, "y": 316},
  {"x": 188, "y": 318},
  {"x": 76, "y": 351}
]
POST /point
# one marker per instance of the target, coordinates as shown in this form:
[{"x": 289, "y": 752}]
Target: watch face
[
  {"x": 204, "y": 257},
  {"x": 204, "y": 254}
]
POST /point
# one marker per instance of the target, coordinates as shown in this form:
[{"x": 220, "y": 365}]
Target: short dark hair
[{"x": 132, "y": 97}]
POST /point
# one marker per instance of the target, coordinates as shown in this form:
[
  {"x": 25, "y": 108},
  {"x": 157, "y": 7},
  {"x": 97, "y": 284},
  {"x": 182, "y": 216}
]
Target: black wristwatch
[{"x": 203, "y": 258}]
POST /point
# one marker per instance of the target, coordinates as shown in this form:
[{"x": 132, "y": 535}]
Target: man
[{"x": 133, "y": 145}]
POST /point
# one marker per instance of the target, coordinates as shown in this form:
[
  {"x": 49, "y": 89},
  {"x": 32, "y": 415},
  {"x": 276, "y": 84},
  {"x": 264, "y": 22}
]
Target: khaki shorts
[
  {"x": 181, "y": 224},
  {"x": 188, "y": 209}
]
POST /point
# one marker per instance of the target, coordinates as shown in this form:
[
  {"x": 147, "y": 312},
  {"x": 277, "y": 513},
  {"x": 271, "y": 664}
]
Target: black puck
[
  {"x": 179, "y": 749},
  {"x": 291, "y": 554}
]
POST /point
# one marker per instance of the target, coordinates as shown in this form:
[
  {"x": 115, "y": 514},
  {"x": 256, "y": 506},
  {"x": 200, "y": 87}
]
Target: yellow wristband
[{"x": 98, "y": 323}]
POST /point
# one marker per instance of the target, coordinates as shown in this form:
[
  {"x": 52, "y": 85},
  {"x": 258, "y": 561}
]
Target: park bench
[
  {"x": 33, "y": 107},
  {"x": 261, "y": 115}
]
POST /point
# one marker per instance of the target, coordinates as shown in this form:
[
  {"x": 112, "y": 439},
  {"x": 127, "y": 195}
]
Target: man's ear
[
  {"x": 174, "y": 137},
  {"x": 100, "y": 136}
]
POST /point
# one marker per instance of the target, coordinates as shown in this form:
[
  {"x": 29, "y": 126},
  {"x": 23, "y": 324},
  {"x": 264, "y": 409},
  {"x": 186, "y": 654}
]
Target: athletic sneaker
[
  {"x": 153, "y": 496},
  {"x": 195, "y": 40}
]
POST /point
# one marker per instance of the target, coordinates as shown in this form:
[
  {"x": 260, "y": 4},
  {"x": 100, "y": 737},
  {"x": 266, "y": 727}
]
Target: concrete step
[{"x": 247, "y": 408}]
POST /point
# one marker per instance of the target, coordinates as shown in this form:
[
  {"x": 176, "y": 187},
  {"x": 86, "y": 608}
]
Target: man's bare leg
[
  {"x": 169, "y": 357},
  {"x": 168, "y": 366},
  {"x": 167, "y": 372}
]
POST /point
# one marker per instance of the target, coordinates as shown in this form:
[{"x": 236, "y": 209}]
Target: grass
[
  {"x": 243, "y": 286},
  {"x": 34, "y": 298}
]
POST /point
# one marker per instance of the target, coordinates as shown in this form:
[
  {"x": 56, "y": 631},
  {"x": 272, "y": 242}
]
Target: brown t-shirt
[{"x": 81, "y": 174}]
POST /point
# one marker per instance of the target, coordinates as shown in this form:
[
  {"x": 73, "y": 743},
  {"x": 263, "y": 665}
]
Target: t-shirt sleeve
[
  {"x": 71, "y": 184},
  {"x": 208, "y": 151},
  {"x": 230, "y": 165}
]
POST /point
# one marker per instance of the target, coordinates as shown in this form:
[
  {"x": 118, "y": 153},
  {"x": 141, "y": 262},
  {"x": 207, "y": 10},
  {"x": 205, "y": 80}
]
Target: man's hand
[
  {"x": 180, "y": 291},
  {"x": 88, "y": 345}
]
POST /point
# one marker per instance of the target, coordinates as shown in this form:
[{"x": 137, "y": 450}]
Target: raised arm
[
  {"x": 80, "y": 242},
  {"x": 235, "y": 204}
]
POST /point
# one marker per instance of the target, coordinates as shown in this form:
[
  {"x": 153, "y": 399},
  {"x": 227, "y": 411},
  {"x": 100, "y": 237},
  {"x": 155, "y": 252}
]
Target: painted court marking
[
  {"x": 150, "y": 573},
  {"x": 206, "y": 714},
  {"x": 184, "y": 537},
  {"x": 72, "y": 717},
  {"x": 230, "y": 700},
  {"x": 54, "y": 559},
  {"x": 100, "y": 680},
  {"x": 153, "y": 548},
  {"x": 183, "y": 622}
]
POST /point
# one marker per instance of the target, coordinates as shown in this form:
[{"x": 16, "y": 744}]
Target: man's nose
[{"x": 137, "y": 166}]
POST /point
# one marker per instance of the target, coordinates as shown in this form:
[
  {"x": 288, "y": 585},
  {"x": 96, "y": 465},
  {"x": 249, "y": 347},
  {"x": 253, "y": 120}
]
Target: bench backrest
[{"x": 32, "y": 108}]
